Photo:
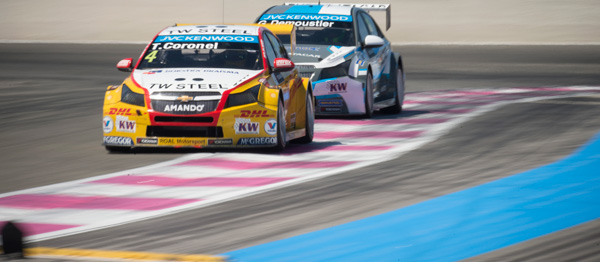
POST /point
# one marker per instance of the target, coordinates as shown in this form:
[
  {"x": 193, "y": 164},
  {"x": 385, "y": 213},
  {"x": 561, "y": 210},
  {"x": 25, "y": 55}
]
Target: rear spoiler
[{"x": 369, "y": 7}]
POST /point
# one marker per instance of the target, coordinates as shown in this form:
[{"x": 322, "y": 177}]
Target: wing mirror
[
  {"x": 373, "y": 41},
  {"x": 283, "y": 64},
  {"x": 125, "y": 65}
]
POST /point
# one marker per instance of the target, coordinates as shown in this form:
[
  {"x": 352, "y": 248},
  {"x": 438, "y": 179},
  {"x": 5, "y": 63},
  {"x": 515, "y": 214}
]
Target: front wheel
[
  {"x": 281, "y": 132},
  {"x": 310, "y": 121},
  {"x": 369, "y": 96}
]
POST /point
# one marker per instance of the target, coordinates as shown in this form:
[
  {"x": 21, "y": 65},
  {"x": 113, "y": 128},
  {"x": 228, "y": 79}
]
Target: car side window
[
  {"x": 270, "y": 52},
  {"x": 362, "y": 28},
  {"x": 371, "y": 25},
  {"x": 277, "y": 46}
]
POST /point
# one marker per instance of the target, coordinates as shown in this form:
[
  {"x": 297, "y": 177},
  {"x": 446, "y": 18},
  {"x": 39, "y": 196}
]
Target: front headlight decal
[
  {"x": 246, "y": 97},
  {"x": 132, "y": 98}
]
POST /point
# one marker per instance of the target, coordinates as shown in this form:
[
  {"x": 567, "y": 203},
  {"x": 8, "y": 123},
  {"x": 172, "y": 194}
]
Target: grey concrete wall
[{"x": 413, "y": 21}]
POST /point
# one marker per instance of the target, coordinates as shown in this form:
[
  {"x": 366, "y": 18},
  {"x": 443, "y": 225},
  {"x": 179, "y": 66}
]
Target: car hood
[
  {"x": 322, "y": 56},
  {"x": 191, "y": 79}
]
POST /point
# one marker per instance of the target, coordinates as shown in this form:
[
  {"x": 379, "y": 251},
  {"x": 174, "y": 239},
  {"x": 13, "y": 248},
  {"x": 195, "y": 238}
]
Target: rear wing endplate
[{"x": 369, "y": 7}]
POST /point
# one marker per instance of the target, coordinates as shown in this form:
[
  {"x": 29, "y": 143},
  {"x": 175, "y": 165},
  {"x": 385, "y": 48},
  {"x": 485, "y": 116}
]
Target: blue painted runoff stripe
[{"x": 459, "y": 225}]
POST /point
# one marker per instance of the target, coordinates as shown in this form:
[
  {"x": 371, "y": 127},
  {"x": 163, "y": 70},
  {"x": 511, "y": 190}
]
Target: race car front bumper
[
  {"x": 339, "y": 96},
  {"x": 251, "y": 125}
]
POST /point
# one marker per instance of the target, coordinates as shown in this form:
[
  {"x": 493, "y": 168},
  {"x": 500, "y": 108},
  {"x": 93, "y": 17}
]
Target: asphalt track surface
[{"x": 51, "y": 102}]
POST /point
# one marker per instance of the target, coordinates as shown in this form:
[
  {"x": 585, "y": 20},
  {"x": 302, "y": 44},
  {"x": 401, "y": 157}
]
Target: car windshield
[
  {"x": 321, "y": 36},
  {"x": 233, "y": 55}
]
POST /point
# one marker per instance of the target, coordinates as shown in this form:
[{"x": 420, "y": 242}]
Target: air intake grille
[{"x": 184, "y": 108}]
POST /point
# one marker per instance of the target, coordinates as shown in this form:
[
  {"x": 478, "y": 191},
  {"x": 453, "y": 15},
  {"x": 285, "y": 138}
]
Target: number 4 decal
[{"x": 150, "y": 57}]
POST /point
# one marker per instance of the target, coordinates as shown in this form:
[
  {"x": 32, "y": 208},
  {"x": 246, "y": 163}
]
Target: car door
[
  {"x": 378, "y": 56},
  {"x": 275, "y": 49}
]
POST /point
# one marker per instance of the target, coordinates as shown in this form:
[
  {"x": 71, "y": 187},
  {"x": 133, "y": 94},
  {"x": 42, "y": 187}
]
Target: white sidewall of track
[{"x": 413, "y": 21}]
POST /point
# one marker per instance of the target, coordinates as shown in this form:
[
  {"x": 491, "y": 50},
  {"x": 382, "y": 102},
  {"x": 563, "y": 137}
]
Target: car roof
[
  {"x": 329, "y": 9},
  {"x": 195, "y": 29}
]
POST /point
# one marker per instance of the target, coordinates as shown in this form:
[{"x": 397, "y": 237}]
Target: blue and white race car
[{"x": 350, "y": 62}]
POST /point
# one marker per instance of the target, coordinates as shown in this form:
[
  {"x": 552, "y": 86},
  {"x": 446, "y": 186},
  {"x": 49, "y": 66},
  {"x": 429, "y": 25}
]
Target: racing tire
[
  {"x": 310, "y": 121},
  {"x": 281, "y": 132},
  {"x": 369, "y": 96},
  {"x": 399, "y": 99},
  {"x": 117, "y": 149}
]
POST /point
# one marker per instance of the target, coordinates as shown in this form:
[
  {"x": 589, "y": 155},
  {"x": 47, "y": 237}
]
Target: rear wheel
[
  {"x": 369, "y": 96},
  {"x": 310, "y": 121},
  {"x": 399, "y": 99},
  {"x": 281, "y": 132}
]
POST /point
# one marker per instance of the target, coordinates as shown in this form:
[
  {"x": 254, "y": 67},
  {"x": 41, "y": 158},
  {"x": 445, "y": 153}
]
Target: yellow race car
[{"x": 209, "y": 86}]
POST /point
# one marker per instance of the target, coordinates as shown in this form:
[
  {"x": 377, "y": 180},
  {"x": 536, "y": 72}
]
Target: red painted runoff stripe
[
  {"x": 368, "y": 134},
  {"x": 453, "y": 111},
  {"x": 30, "y": 229},
  {"x": 475, "y": 93},
  {"x": 193, "y": 182},
  {"x": 313, "y": 148},
  {"x": 383, "y": 121},
  {"x": 438, "y": 102},
  {"x": 38, "y": 201},
  {"x": 563, "y": 89},
  {"x": 243, "y": 165}
]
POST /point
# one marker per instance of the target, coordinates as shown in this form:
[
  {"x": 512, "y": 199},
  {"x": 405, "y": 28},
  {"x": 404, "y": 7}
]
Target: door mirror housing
[
  {"x": 283, "y": 64},
  {"x": 125, "y": 65},
  {"x": 373, "y": 41}
]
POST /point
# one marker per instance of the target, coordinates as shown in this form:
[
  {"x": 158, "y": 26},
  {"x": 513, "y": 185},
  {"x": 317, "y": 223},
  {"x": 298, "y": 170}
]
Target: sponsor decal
[
  {"x": 305, "y": 66},
  {"x": 246, "y": 126},
  {"x": 207, "y": 38},
  {"x": 182, "y": 141},
  {"x": 337, "y": 87},
  {"x": 120, "y": 111},
  {"x": 254, "y": 113},
  {"x": 118, "y": 141},
  {"x": 283, "y": 63},
  {"x": 184, "y": 98},
  {"x": 222, "y": 71},
  {"x": 147, "y": 141},
  {"x": 257, "y": 141},
  {"x": 307, "y": 55},
  {"x": 233, "y": 31},
  {"x": 378, "y": 6},
  {"x": 330, "y": 103},
  {"x": 184, "y": 108},
  {"x": 307, "y": 48},
  {"x": 293, "y": 120},
  {"x": 186, "y": 86},
  {"x": 124, "y": 63},
  {"x": 271, "y": 127},
  {"x": 298, "y": 23},
  {"x": 178, "y": 46},
  {"x": 331, "y": 109},
  {"x": 125, "y": 125},
  {"x": 151, "y": 72},
  {"x": 107, "y": 124},
  {"x": 307, "y": 17},
  {"x": 218, "y": 142}
]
